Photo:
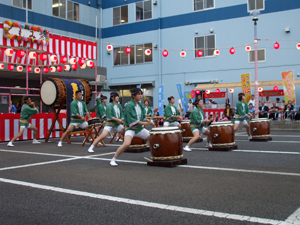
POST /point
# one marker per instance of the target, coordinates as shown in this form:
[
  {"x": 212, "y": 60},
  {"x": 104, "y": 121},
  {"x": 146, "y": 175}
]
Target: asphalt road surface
[{"x": 258, "y": 183}]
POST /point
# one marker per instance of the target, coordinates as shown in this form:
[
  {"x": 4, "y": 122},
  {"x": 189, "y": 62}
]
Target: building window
[
  {"x": 65, "y": 10},
  {"x": 261, "y": 55},
  {"x": 206, "y": 44},
  {"x": 203, "y": 4},
  {"x": 136, "y": 56},
  {"x": 120, "y": 15},
  {"x": 143, "y": 10},
  {"x": 256, "y": 5},
  {"x": 22, "y": 3}
]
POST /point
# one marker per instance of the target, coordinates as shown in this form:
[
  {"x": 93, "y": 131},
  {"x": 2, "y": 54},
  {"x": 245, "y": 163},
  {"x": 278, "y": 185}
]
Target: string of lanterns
[
  {"x": 260, "y": 89},
  {"x": 53, "y": 58}
]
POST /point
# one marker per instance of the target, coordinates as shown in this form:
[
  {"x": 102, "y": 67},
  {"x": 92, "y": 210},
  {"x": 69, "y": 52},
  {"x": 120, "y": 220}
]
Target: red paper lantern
[
  {"x": 217, "y": 52},
  {"x": 165, "y": 53},
  {"x": 109, "y": 48},
  {"x": 231, "y": 90},
  {"x": 183, "y": 54},
  {"x": 218, "y": 90},
  {"x": 29, "y": 69},
  {"x": 59, "y": 68},
  {"x": 198, "y": 92},
  {"x": 53, "y": 58},
  {"x": 74, "y": 67},
  {"x": 248, "y": 48},
  {"x": 232, "y": 51},
  {"x": 21, "y": 53},
  {"x": 32, "y": 55},
  {"x": 1, "y": 66},
  {"x": 9, "y": 52},
  {"x": 127, "y": 50},
  {"x": 298, "y": 46},
  {"x": 193, "y": 93},
  {"x": 275, "y": 88},
  {"x": 63, "y": 59},
  {"x": 199, "y": 53},
  {"x": 46, "y": 70},
  {"x": 43, "y": 57},
  {"x": 52, "y": 69},
  {"x": 10, "y": 67},
  {"x": 81, "y": 62},
  {"x": 276, "y": 45},
  {"x": 207, "y": 92},
  {"x": 19, "y": 68},
  {"x": 67, "y": 67},
  {"x": 147, "y": 52},
  {"x": 37, "y": 70},
  {"x": 72, "y": 61}
]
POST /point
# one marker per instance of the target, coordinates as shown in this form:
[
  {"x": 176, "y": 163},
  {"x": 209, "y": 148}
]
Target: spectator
[
  {"x": 126, "y": 103},
  {"x": 216, "y": 118},
  {"x": 288, "y": 109},
  {"x": 297, "y": 117},
  {"x": 13, "y": 108},
  {"x": 210, "y": 117},
  {"x": 274, "y": 109},
  {"x": 228, "y": 112},
  {"x": 251, "y": 109},
  {"x": 268, "y": 102},
  {"x": 190, "y": 108},
  {"x": 283, "y": 102},
  {"x": 252, "y": 101},
  {"x": 224, "y": 118},
  {"x": 263, "y": 110},
  {"x": 277, "y": 100},
  {"x": 19, "y": 106}
]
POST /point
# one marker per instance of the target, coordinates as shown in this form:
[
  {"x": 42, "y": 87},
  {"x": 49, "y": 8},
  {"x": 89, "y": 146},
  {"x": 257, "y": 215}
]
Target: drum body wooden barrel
[
  {"x": 260, "y": 128},
  {"x": 222, "y": 134},
  {"x": 54, "y": 91},
  {"x": 166, "y": 143},
  {"x": 187, "y": 133},
  {"x": 94, "y": 121},
  {"x": 136, "y": 144}
]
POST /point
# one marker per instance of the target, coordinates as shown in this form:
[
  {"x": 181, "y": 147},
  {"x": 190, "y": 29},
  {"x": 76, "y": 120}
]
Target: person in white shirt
[
  {"x": 268, "y": 102},
  {"x": 252, "y": 101}
]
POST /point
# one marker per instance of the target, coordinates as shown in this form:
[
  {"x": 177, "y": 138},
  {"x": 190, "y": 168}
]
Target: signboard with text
[
  {"x": 215, "y": 95},
  {"x": 271, "y": 93}
]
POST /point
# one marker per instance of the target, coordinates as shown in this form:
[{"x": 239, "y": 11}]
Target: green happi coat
[
  {"x": 111, "y": 114},
  {"x": 75, "y": 111},
  {"x": 26, "y": 113},
  {"x": 133, "y": 114},
  {"x": 241, "y": 110},
  {"x": 169, "y": 113},
  {"x": 148, "y": 110},
  {"x": 101, "y": 110},
  {"x": 196, "y": 118}
]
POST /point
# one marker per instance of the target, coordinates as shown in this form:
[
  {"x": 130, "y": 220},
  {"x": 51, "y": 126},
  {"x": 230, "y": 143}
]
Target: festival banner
[
  {"x": 215, "y": 95},
  {"x": 271, "y": 93},
  {"x": 246, "y": 86},
  {"x": 179, "y": 88},
  {"x": 288, "y": 86},
  {"x": 161, "y": 100}
]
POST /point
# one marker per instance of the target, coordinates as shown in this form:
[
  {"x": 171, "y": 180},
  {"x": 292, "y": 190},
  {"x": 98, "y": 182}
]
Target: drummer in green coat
[
  {"x": 197, "y": 118},
  {"x": 78, "y": 112},
  {"x": 148, "y": 111},
  {"x": 171, "y": 113},
  {"x": 28, "y": 109},
  {"x": 242, "y": 111},
  {"x": 134, "y": 121},
  {"x": 101, "y": 107},
  {"x": 114, "y": 118}
]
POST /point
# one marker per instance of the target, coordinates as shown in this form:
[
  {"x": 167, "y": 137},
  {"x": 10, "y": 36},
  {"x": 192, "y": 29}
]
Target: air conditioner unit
[
  {"x": 186, "y": 83},
  {"x": 101, "y": 79}
]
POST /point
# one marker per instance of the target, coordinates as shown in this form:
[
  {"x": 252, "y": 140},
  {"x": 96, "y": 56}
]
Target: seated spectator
[
  {"x": 228, "y": 112},
  {"x": 252, "y": 101},
  {"x": 263, "y": 110},
  {"x": 268, "y": 102},
  {"x": 224, "y": 118},
  {"x": 251, "y": 109},
  {"x": 297, "y": 116},
  {"x": 274, "y": 109},
  {"x": 216, "y": 118},
  {"x": 13, "y": 108},
  {"x": 288, "y": 109},
  {"x": 210, "y": 116}
]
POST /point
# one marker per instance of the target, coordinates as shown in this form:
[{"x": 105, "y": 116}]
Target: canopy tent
[{"x": 239, "y": 85}]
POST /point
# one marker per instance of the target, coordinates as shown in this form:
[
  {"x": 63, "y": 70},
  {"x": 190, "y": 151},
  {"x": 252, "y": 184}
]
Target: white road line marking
[
  {"x": 294, "y": 218},
  {"x": 37, "y": 153},
  {"x": 212, "y": 168},
  {"x": 143, "y": 203},
  {"x": 274, "y": 141},
  {"x": 296, "y": 136},
  {"x": 273, "y": 152}
]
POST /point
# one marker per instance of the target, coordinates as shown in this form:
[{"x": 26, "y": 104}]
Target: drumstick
[{"x": 148, "y": 159}]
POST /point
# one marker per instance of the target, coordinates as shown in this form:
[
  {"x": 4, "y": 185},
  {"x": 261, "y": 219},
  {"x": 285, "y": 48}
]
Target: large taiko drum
[
  {"x": 187, "y": 133},
  {"x": 54, "y": 91},
  {"x": 260, "y": 128},
  {"x": 166, "y": 143},
  {"x": 222, "y": 134}
]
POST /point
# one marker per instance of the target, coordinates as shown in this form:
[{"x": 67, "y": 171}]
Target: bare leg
[
  {"x": 196, "y": 137},
  {"x": 18, "y": 135},
  {"x": 100, "y": 138},
  {"x": 247, "y": 129},
  {"x": 67, "y": 132},
  {"x": 34, "y": 131},
  {"x": 236, "y": 126},
  {"x": 179, "y": 125},
  {"x": 207, "y": 133},
  {"x": 152, "y": 124},
  {"x": 124, "y": 146}
]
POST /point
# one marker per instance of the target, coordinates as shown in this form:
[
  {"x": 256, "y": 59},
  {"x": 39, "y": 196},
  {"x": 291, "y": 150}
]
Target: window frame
[
  {"x": 143, "y": 10},
  {"x": 204, "y": 57},
  {"x": 249, "y": 11},
  {"x": 199, "y": 10},
  {"x": 120, "y": 9},
  {"x": 259, "y": 61},
  {"x": 12, "y": 3},
  {"x": 66, "y": 11}
]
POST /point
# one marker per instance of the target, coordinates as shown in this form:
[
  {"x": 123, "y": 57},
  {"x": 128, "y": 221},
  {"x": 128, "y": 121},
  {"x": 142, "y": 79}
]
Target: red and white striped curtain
[{"x": 58, "y": 45}]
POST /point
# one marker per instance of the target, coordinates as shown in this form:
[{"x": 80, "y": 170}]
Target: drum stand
[
  {"x": 120, "y": 136},
  {"x": 90, "y": 130},
  {"x": 223, "y": 148},
  {"x": 261, "y": 139},
  {"x": 171, "y": 164}
]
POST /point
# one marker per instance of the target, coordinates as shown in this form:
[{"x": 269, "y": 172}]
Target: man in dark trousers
[
  {"x": 263, "y": 110},
  {"x": 274, "y": 109}
]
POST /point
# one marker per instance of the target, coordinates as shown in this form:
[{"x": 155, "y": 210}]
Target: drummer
[
  {"x": 148, "y": 111},
  {"x": 101, "y": 107},
  {"x": 172, "y": 114},
  {"x": 135, "y": 121},
  {"x": 114, "y": 117},
  {"x": 78, "y": 112},
  {"x": 197, "y": 118},
  {"x": 242, "y": 111},
  {"x": 28, "y": 109}
]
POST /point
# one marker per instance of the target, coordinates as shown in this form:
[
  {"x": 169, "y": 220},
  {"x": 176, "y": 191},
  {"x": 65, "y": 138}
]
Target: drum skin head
[
  {"x": 165, "y": 129},
  {"x": 48, "y": 92},
  {"x": 220, "y": 123}
]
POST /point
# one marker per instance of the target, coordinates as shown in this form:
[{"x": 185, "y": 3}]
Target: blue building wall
[{"x": 232, "y": 26}]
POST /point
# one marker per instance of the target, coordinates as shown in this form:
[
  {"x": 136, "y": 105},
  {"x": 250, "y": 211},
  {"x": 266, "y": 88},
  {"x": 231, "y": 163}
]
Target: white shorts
[
  {"x": 26, "y": 127},
  {"x": 202, "y": 131},
  {"x": 168, "y": 124},
  {"x": 244, "y": 122},
  {"x": 81, "y": 125},
  {"x": 118, "y": 129},
  {"x": 142, "y": 134}
]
